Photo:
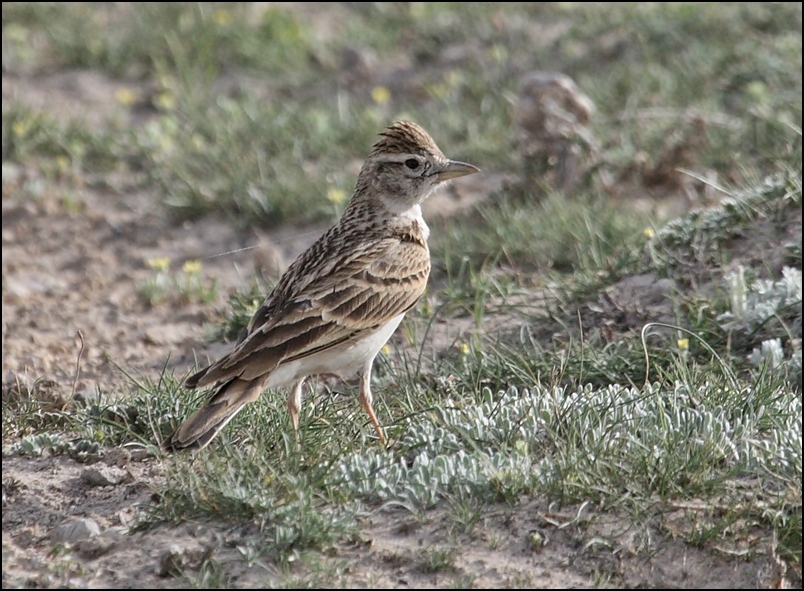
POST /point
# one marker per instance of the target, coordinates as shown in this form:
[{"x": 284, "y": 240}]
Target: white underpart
[{"x": 344, "y": 360}]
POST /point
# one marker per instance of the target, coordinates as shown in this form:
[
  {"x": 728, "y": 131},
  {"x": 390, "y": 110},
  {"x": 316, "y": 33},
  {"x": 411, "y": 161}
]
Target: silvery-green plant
[
  {"x": 753, "y": 306},
  {"x": 525, "y": 440}
]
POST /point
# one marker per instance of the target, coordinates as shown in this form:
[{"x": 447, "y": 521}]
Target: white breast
[
  {"x": 415, "y": 214},
  {"x": 345, "y": 360}
]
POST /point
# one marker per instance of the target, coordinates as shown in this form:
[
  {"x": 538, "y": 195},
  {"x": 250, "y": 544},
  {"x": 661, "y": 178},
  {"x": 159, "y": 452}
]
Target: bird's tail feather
[{"x": 197, "y": 431}]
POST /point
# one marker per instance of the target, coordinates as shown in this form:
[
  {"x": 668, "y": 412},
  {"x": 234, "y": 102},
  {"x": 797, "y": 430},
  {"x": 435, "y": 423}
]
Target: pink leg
[{"x": 366, "y": 400}]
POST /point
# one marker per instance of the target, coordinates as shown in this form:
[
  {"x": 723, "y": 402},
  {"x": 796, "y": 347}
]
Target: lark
[{"x": 341, "y": 300}]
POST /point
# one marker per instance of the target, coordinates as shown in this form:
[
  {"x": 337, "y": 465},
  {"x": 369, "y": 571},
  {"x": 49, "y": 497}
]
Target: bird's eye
[{"x": 412, "y": 163}]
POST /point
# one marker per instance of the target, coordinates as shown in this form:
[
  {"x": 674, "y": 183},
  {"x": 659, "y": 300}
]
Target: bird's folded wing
[{"x": 349, "y": 302}]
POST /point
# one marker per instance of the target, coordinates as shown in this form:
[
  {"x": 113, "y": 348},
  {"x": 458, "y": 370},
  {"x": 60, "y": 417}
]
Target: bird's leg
[
  {"x": 366, "y": 399},
  {"x": 294, "y": 406}
]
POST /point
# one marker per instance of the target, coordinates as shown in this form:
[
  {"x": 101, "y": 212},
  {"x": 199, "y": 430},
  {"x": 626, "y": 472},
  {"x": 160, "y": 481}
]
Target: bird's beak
[{"x": 454, "y": 169}]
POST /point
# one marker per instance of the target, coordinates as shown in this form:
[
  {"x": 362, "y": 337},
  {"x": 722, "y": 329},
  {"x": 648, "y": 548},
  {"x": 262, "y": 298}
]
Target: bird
[{"x": 339, "y": 302}]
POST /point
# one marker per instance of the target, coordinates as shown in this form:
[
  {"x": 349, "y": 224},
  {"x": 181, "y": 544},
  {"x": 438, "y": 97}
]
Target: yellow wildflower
[
  {"x": 648, "y": 233},
  {"x": 465, "y": 349},
  {"x": 418, "y": 10},
  {"x": 165, "y": 101},
  {"x": 192, "y": 267},
  {"x": 62, "y": 163},
  {"x": 380, "y": 94},
  {"x": 683, "y": 344},
  {"x": 125, "y": 96},
  {"x": 222, "y": 17},
  {"x": 19, "y": 128},
  {"x": 159, "y": 264},
  {"x": 336, "y": 196}
]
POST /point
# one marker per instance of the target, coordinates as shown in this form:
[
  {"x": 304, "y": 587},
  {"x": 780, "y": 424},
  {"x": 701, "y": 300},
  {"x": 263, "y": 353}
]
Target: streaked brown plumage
[{"x": 339, "y": 302}]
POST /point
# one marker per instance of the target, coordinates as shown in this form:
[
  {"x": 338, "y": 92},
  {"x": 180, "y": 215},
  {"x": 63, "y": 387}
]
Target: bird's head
[{"x": 405, "y": 166}]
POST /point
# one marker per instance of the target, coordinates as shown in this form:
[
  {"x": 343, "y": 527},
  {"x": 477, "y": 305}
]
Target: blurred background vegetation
[{"x": 258, "y": 109}]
